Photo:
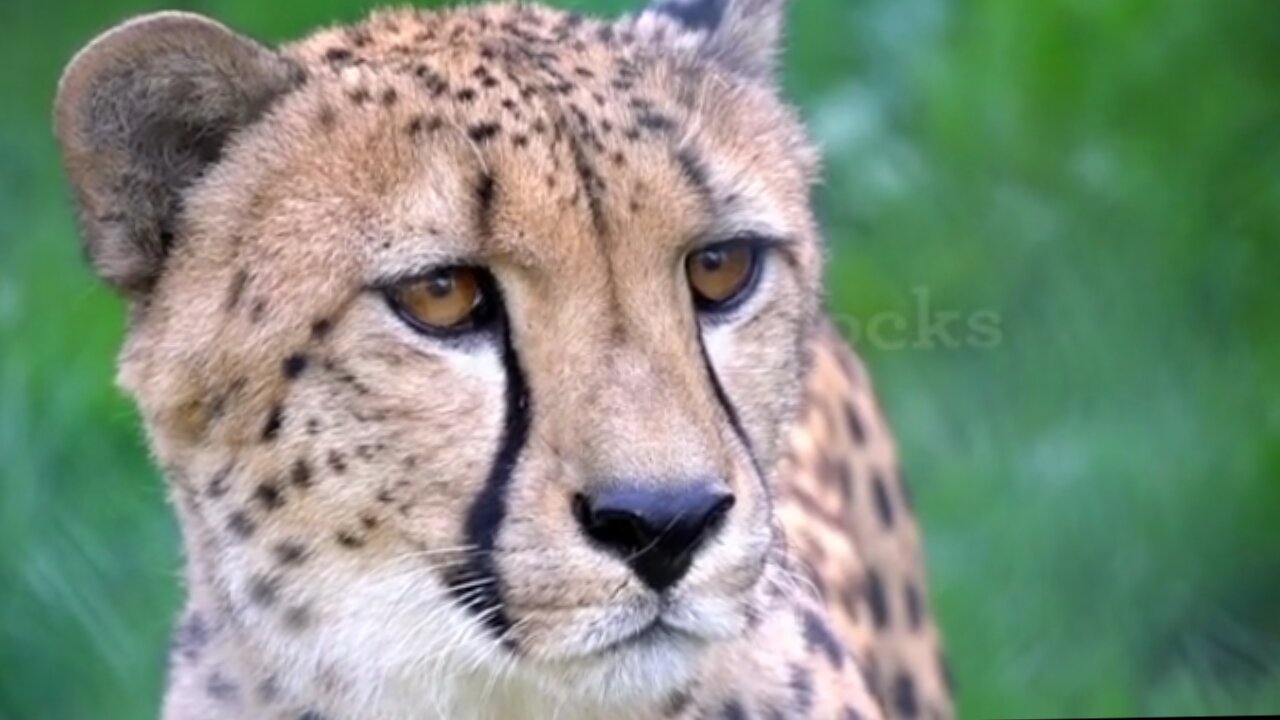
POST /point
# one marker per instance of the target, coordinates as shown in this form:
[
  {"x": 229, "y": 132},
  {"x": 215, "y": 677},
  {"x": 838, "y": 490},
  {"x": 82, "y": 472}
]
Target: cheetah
[{"x": 483, "y": 352}]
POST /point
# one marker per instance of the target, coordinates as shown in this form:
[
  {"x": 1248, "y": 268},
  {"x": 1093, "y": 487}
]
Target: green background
[{"x": 1100, "y": 488}]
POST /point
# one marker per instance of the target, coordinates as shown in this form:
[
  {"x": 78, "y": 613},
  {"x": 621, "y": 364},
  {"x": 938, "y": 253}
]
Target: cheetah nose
[{"x": 655, "y": 530}]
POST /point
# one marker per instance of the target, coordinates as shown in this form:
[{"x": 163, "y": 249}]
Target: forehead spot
[{"x": 483, "y": 132}]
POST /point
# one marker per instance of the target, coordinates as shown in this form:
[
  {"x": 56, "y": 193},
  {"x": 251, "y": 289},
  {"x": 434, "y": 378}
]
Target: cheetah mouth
[
  {"x": 673, "y": 628},
  {"x": 658, "y": 631}
]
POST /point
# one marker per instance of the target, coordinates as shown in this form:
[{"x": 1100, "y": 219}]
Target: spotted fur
[{"x": 379, "y": 523}]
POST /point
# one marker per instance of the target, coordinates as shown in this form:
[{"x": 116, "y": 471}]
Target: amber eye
[
  {"x": 450, "y": 299},
  {"x": 722, "y": 273}
]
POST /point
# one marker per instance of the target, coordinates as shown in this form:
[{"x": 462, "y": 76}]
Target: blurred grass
[{"x": 1100, "y": 490}]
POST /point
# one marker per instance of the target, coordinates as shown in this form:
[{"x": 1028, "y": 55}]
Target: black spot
[
  {"x": 240, "y": 525},
  {"x": 269, "y": 496},
  {"x": 693, "y": 171},
  {"x": 337, "y": 54},
  {"x": 337, "y": 462},
  {"x": 297, "y": 617},
  {"x": 217, "y": 486},
  {"x": 359, "y": 37},
  {"x": 904, "y": 696},
  {"x": 290, "y": 552},
  {"x": 591, "y": 184},
  {"x": 466, "y": 95},
  {"x": 235, "y": 290},
  {"x": 486, "y": 192},
  {"x": 294, "y": 365},
  {"x": 915, "y": 606},
  {"x": 264, "y": 591},
  {"x": 271, "y": 428},
  {"x": 359, "y": 96},
  {"x": 677, "y": 703},
  {"x": 819, "y": 637},
  {"x": 349, "y": 540},
  {"x": 655, "y": 121},
  {"x": 320, "y": 329},
  {"x": 258, "y": 311},
  {"x": 300, "y": 474},
  {"x": 856, "y": 429},
  {"x": 884, "y": 506},
  {"x": 733, "y": 710},
  {"x": 435, "y": 83},
  {"x": 388, "y": 97},
  {"x": 843, "y": 470},
  {"x": 192, "y": 636},
  {"x": 801, "y": 689},
  {"x": 326, "y": 117},
  {"x": 221, "y": 688},
  {"x": 269, "y": 689},
  {"x": 876, "y": 601},
  {"x": 311, "y": 715},
  {"x": 483, "y": 132}
]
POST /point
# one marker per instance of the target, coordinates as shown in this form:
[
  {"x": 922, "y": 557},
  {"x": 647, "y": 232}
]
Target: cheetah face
[{"x": 467, "y": 339}]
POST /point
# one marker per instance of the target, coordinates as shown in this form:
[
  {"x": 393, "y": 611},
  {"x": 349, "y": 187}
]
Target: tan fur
[{"x": 324, "y": 458}]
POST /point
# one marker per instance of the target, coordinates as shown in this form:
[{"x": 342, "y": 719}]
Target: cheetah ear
[
  {"x": 142, "y": 112},
  {"x": 742, "y": 35}
]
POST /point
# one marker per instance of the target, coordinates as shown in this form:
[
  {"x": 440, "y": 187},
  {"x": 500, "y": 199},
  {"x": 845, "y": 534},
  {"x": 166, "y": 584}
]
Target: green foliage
[{"x": 1099, "y": 487}]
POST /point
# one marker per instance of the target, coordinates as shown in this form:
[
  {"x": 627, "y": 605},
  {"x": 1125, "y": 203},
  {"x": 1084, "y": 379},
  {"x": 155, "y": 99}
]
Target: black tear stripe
[
  {"x": 729, "y": 410},
  {"x": 476, "y": 585},
  {"x": 694, "y": 14}
]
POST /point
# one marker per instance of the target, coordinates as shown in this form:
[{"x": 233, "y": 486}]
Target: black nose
[{"x": 654, "y": 530}]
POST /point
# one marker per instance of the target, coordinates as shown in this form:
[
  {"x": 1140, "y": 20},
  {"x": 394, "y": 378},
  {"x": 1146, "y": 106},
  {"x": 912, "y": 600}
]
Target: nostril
[
  {"x": 719, "y": 511},
  {"x": 614, "y": 528}
]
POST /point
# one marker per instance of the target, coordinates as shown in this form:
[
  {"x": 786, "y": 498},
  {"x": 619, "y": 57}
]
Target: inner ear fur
[
  {"x": 141, "y": 113},
  {"x": 744, "y": 36}
]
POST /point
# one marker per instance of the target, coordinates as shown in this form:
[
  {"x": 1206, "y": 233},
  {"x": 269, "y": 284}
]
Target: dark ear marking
[
  {"x": 694, "y": 14},
  {"x": 742, "y": 36},
  {"x": 142, "y": 112}
]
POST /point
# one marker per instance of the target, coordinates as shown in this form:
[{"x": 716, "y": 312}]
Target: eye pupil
[
  {"x": 712, "y": 260},
  {"x": 440, "y": 285},
  {"x": 722, "y": 274},
  {"x": 447, "y": 300}
]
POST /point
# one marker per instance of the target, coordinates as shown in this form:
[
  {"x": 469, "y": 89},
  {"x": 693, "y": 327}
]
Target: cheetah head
[{"x": 467, "y": 339}]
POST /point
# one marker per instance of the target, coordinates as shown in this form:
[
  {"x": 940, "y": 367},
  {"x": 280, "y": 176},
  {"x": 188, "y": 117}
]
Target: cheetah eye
[
  {"x": 445, "y": 301},
  {"x": 722, "y": 275}
]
